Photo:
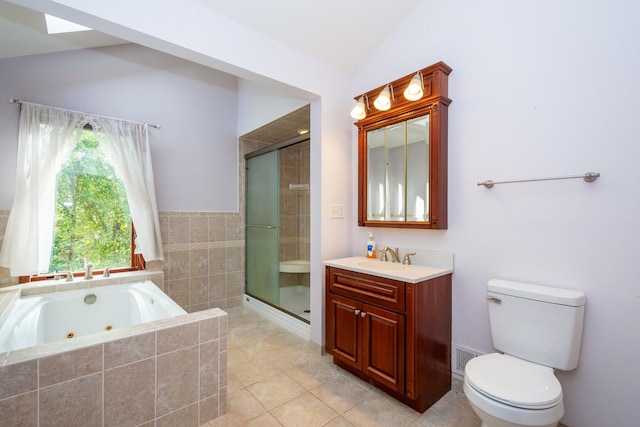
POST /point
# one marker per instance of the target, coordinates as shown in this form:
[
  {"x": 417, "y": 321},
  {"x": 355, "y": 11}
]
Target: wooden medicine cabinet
[{"x": 402, "y": 155}]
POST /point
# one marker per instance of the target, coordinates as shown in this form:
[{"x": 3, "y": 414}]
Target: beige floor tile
[
  {"x": 264, "y": 420},
  {"x": 304, "y": 410},
  {"x": 233, "y": 383},
  {"x": 446, "y": 414},
  {"x": 241, "y": 407},
  {"x": 341, "y": 393},
  {"x": 313, "y": 374},
  {"x": 377, "y": 412},
  {"x": 252, "y": 372},
  {"x": 339, "y": 422},
  {"x": 276, "y": 390},
  {"x": 277, "y": 379}
]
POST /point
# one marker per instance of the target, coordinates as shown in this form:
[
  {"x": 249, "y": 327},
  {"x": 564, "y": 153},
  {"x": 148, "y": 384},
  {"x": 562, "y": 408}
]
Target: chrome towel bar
[{"x": 587, "y": 177}]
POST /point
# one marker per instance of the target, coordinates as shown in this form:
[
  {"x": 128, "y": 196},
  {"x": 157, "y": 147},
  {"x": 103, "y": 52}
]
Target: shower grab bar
[{"x": 260, "y": 226}]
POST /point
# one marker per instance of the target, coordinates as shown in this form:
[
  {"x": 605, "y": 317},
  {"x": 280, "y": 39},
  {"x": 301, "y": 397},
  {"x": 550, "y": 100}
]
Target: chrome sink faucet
[{"x": 394, "y": 254}]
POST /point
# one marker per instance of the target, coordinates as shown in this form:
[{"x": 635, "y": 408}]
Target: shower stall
[{"x": 277, "y": 221}]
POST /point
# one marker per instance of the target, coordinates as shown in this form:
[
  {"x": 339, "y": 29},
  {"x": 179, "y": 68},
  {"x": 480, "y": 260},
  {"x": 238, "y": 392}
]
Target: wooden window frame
[{"x": 137, "y": 263}]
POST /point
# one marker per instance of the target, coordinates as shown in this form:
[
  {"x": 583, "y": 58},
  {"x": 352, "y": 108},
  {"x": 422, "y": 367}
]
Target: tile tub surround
[{"x": 158, "y": 372}]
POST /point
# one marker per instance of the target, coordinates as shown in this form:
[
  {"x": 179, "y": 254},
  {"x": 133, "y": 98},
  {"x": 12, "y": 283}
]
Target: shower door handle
[{"x": 260, "y": 226}]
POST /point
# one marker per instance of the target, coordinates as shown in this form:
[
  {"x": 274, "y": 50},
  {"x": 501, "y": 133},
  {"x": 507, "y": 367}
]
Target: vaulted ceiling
[{"x": 338, "y": 32}]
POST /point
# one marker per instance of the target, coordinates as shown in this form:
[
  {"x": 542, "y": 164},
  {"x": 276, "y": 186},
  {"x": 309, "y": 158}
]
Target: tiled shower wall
[{"x": 295, "y": 216}]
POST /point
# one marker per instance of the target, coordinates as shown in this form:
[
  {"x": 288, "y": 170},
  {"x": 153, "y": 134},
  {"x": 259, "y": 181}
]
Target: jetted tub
[{"x": 44, "y": 318}]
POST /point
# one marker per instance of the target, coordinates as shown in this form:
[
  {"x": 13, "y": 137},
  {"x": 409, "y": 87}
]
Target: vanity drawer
[{"x": 365, "y": 287}]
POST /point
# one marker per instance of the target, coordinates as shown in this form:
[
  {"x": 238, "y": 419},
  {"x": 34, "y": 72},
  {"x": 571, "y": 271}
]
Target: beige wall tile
[
  {"x": 234, "y": 228},
  {"x": 176, "y": 380},
  {"x": 179, "y": 265},
  {"x": 21, "y": 410},
  {"x": 217, "y": 260},
  {"x": 209, "y": 368},
  {"x": 129, "y": 394},
  {"x": 234, "y": 285},
  {"x": 128, "y": 350},
  {"x": 178, "y": 229},
  {"x": 198, "y": 262},
  {"x": 209, "y": 329},
  {"x": 70, "y": 365},
  {"x": 198, "y": 290},
  {"x": 76, "y": 403},
  {"x": 18, "y": 378},
  {"x": 199, "y": 229},
  {"x": 178, "y": 290},
  {"x": 217, "y": 228},
  {"x": 208, "y": 409},
  {"x": 178, "y": 337},
  {"x": 184, "y": 417}
]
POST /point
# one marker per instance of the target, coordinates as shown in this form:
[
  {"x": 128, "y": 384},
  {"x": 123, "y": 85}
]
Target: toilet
[{"x": 536, "y": 329}]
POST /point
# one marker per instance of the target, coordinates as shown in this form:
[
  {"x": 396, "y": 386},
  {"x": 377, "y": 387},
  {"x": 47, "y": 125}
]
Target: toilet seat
[{"x": 513, "y": 381}]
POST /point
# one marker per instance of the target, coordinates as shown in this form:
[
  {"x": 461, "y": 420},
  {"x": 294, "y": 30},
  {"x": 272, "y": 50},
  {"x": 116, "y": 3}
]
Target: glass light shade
[
  {"x": 359, "y": 112},
  {"x": 414, "y": 91},
  {"x": 383, "y": 101}
]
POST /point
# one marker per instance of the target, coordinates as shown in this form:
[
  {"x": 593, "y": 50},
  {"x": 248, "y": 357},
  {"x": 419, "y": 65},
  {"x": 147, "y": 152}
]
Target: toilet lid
[{"x": 513, "y": 381}]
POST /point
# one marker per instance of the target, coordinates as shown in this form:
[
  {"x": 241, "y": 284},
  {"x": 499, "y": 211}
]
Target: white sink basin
[
  {"x": 380, "y": 265},
  {"x": 407, "y": 273}
]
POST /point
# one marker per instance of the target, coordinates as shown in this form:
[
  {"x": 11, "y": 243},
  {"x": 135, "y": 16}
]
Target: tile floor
[{"x": 278, "y": 379}]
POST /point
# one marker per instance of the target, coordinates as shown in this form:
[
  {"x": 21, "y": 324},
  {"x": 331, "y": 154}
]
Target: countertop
[{"x": 396, "y": 271}]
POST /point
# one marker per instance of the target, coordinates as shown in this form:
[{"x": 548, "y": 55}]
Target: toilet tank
[{"x": 541, "y": 324}]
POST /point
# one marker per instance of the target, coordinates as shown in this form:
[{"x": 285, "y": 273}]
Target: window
[
  {"x": 85, "y": 195},
  {"x": 92, "y": 221}
]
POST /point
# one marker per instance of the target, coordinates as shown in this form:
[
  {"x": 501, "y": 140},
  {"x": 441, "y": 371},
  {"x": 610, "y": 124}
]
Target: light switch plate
[{"x": 336, "y": 211}]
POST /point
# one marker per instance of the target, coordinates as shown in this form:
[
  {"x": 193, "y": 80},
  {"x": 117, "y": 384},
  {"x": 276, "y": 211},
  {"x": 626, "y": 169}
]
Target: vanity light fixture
[
  {"x": 415, "y": 90},
  {"x": 383, "y": 101},
  {"x": 359, "y": 112}
]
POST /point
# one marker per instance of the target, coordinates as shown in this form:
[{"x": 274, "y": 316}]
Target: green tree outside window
[{"x": 92, "y": 220}]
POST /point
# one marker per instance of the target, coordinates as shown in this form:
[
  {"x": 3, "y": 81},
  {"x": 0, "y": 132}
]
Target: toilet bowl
[
  {"x": 509, "y": 392},
  {"x": 536, "y": 329}
]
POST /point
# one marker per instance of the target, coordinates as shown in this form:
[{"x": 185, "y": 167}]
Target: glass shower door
[{"x": 262, "y": 236}]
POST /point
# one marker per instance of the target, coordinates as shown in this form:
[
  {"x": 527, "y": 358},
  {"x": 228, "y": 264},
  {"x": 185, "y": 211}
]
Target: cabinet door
[
  {"x": 384, "y": 346},
  {"x": 343, "y": 332}
]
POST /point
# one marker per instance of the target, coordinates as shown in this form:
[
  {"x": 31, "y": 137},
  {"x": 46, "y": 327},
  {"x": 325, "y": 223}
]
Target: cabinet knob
[
  {"x": 356, "y": 312},
  {"x": 363, "y": 314}
]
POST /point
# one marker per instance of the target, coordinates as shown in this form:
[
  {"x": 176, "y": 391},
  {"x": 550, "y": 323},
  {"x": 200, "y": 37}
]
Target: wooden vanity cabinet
[{"x": 393, "y": 334}]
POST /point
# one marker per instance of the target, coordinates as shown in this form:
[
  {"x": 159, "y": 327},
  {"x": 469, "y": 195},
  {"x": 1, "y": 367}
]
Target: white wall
[
  {"x": 259, "y": 104},
  {"x": 539, "y": 89},
  {"x": 194, "y": 153}
]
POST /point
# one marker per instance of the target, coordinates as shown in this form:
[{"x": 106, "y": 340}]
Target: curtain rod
[{"x": 19, "y": 101}]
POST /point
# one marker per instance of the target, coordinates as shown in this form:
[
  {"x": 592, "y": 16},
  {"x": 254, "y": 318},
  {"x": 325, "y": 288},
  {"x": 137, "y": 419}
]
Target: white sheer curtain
[{"x": 47, "y": 135}]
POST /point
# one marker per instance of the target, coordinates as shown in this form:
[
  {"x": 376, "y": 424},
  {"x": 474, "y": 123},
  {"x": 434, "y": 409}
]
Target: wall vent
[{"x": 461, "y": 356}]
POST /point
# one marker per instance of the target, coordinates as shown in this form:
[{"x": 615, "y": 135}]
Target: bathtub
[
  {"x": 123, "y": 353},
  {"x": 40, "y": 319}
]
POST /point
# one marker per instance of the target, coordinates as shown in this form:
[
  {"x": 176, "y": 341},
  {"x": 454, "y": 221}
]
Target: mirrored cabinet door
[
  {"x": 398, "y": 171},
  {"x": 417, "y": 198},
  {"x": 402, "y": 156}
]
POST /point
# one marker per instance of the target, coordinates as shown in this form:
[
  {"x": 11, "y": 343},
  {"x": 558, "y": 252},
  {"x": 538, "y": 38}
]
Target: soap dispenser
[{"x": 371, "y": 247}]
